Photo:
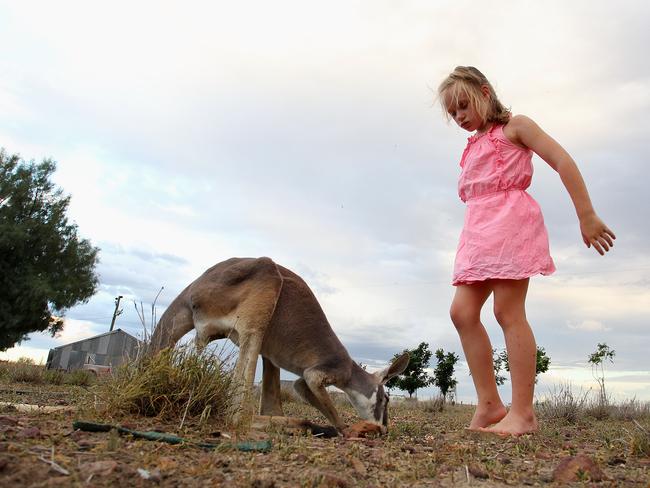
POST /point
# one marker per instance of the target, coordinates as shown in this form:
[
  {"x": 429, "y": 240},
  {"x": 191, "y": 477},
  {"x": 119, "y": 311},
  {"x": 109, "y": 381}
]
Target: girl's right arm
[{"x": 594, "y": 231}]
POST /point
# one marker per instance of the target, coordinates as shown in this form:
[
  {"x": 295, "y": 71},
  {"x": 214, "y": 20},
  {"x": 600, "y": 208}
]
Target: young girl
[{"x": 504, "y": 240}]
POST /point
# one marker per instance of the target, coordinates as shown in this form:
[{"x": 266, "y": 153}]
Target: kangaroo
[{"x": 268, "y": 310}]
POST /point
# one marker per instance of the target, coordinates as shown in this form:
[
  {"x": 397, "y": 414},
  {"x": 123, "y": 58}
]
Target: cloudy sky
[{"x": 190, "y": 132}]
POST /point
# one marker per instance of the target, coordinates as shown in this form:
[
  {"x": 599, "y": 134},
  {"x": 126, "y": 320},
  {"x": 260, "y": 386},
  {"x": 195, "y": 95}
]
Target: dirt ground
[{"x": 422, "y": 448}]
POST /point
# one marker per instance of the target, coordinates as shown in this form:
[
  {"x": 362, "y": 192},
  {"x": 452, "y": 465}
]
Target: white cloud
[
  {"x": 587, "y": 325},
  {"x": 76, "y": 330},
  {"x": 38, "y": 355}
]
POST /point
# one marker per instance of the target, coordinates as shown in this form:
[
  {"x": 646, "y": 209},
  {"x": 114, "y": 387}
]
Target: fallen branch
[
  {"x": 24, "y": 407},
  {"x": 56, "y": 467}
]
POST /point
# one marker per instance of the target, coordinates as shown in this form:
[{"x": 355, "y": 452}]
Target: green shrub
[
  {"x": 79, "y": 377},
  {"x": 53, "y": 376}
]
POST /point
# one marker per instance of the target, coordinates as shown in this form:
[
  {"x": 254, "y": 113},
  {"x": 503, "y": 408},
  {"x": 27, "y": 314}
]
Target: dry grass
[
  {"x": 434, "y": 405},
  {"x": 422, "y": 449},
  {"x": 569, "y": 407},
  {"x": 25, "y": 371},
  {"x": 563, "y": 404},
  {"x": 640, "y": 440},
  {"x": 174, "y": 384},
  {"x": 631, "y": 410}
]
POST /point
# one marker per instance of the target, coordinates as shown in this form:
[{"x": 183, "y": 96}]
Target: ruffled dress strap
[{"x": 498, "y": 153}]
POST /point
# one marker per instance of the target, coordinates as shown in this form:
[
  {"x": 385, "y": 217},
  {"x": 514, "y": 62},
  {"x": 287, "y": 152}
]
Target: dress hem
[{"x": 523, "y": 276}]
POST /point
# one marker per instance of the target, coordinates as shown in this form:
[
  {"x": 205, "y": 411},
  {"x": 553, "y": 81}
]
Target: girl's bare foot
[
  {"x": 485, "y": 416},
  {"x": 513, "y": 425}
]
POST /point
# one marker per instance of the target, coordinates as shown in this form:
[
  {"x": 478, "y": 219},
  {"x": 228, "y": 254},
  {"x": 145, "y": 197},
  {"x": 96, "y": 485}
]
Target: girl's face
[{"x": 463, "y": 112}]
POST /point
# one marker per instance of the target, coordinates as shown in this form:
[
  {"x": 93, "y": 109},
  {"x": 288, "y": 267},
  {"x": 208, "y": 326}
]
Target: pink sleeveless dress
[{"x": 503, "y": 236}]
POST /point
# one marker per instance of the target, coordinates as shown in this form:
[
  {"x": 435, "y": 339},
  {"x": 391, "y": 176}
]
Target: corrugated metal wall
[{"x": 110, "y": 349}]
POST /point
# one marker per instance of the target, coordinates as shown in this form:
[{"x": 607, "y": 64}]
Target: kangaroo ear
[{"x": 397, "y": 367}]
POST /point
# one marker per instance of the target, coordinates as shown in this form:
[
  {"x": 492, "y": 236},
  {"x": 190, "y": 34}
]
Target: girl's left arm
[{"x": 594, "y": 231}]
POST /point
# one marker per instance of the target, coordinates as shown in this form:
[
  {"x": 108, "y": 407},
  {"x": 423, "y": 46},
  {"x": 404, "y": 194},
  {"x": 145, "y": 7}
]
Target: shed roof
[{"x": 95, "y": 337}]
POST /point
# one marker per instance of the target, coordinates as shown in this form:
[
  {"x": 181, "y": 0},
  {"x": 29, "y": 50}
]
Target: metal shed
[{"x": 109, "y": 349}]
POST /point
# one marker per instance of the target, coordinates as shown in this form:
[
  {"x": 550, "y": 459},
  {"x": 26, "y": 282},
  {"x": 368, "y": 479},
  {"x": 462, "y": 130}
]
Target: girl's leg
[
  {"x": 510, "y": 312},
  {"x": 466, "y": 316}
]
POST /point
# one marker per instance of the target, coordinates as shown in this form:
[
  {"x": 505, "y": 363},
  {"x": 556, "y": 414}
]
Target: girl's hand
[{"x": 596, "y": 233}]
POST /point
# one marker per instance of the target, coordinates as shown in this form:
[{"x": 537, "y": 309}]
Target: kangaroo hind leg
[{"x": 270, "y": 401}]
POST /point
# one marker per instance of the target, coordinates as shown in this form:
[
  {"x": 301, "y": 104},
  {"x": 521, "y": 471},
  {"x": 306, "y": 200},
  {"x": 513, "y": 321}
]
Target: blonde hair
[{"x": 467, "y": 80}]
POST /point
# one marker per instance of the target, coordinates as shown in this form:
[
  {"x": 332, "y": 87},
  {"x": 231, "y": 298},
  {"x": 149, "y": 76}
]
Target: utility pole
[{"x": 116, "y": 312}]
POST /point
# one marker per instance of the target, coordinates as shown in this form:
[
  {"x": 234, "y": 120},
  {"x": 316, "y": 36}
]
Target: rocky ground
[{"x": 422, "y": 448}]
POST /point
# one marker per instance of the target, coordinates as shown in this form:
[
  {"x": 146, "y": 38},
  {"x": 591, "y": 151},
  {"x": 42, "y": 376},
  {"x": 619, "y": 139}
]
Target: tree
[
  {"x": 45, "y": 267},
  {"x": 443, "y": 374},
  {"x": 542, "y": 362},
  {"x": 500, "y": 361},
  {"x": 597, "y": 360},
  {"x": 415, "y": 375}
]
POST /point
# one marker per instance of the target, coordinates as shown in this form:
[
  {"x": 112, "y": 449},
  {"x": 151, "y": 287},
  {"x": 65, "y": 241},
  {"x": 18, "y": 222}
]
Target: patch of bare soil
[{"x": 421, "y": 449}]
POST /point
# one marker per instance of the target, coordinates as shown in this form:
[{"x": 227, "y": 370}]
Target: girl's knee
[
  {"x": 507, "y": 316},
  {"x": 462, "y": 317}
]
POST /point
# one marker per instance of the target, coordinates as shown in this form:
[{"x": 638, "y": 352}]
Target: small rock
[
  {"x": 477, "y": 472},
  {"x": 570, "y": 467},
  {"x": 30, "y": 433}
]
